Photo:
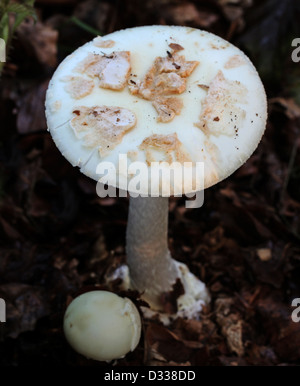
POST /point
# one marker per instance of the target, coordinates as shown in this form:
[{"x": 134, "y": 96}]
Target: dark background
[{"x": 57, "y": 237}]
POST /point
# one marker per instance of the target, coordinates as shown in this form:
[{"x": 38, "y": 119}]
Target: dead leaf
[
  {"x": 39, "y": 41},
  {"x": 25, "y": 306},
  {"x": 31, "y": 114},
  {"x": 265, "y": 254},
  {"x": 188, "y": 14},
  {"x": 291, "y": 108},
  {"x": 284, "y": 334}
]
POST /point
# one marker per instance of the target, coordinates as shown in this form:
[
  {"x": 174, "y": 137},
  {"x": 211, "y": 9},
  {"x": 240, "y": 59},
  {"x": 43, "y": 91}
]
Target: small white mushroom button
[{"x": 101, "y": 325}]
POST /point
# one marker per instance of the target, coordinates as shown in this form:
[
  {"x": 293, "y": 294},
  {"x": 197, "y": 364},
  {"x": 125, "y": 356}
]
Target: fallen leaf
[
  {"x": 25, "y": 306},
  {"x": 39, "y": 41},
  {"x": 291, "y": 108},
  {"x": 31, "y": 114}
]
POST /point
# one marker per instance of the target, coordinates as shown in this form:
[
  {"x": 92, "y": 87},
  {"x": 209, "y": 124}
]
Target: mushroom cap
[
  {"x": 102, "y": 326},
  {"x": 176, "y": 96}
]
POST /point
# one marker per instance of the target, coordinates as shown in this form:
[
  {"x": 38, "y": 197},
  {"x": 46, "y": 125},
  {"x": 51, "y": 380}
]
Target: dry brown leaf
[
  {"x": 31, "y": 114},
  {"x": 291, "y": 108},
  {"x": 25, "y": 306},
  {"x": 189, "y": 14},
  {"x": 39, "y": 41}
]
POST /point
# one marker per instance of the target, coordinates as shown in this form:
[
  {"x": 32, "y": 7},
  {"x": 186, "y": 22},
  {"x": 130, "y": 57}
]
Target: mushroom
[
  {"x": 157, "y": 99},
  {"x": 102, "y": 326}
]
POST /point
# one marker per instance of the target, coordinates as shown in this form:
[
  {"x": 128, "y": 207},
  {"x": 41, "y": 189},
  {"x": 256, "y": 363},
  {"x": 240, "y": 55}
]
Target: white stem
[{"x": 152, "y": 269}]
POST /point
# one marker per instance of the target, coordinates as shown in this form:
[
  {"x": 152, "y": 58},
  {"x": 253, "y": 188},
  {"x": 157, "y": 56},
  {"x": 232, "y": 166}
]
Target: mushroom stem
[{"x": 152, "y": 269}]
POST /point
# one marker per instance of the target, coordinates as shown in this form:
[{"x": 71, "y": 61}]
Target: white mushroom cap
[
  {"x": 219, "y": 114},
  {"x": 102, "y": 326}
]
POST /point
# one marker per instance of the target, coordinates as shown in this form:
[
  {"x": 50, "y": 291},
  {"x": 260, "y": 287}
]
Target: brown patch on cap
[
  {"x": 220, "y": 105},
  {"x": 203, "y": 86},
  {"x": 167, "y": 108},
  {"x": 78, "y": 87},
  {"x": 99, "y": 42},
  {"x": 102, "y": 126},
  {"x": 112, "y": 70},
  {"x": 176, "y": 47},
  {"x": 169, "y": 144},
  {"x": 235, "y": 61},
  {"x": 167, "y": 76}
]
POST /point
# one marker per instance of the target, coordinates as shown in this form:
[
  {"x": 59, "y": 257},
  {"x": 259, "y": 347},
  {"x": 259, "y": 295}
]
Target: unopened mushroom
[
  {"x": 140, "y": 109},
  {"x": 101, "y": 325}
]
